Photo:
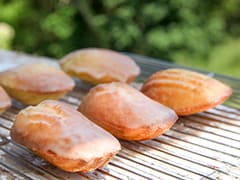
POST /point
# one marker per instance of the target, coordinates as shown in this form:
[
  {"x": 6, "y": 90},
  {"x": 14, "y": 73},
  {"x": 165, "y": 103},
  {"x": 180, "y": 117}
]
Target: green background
[{"x": 201, "y": 34}]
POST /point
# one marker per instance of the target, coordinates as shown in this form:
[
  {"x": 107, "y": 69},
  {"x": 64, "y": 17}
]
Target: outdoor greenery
[{"x": 202, "y": 34}]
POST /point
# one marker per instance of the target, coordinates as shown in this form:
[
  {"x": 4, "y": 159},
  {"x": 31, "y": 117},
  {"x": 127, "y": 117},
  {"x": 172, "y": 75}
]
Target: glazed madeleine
[
  {"x": 33, "y": 83},
  {"x": 185, "y": 91},
  {"x": 64, "y": 137},
  {"x": 97, "y": 66},
  {"x": 5, "y": 101},
  {"x": 126, "y": 113}
]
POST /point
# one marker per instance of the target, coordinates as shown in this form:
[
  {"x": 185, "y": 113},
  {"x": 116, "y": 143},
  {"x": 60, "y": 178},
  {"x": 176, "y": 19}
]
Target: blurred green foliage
[{"x": 202, "y": 34}]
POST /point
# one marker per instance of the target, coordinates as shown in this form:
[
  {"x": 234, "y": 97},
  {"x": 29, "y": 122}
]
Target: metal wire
[{"x": 202, "y": 146}]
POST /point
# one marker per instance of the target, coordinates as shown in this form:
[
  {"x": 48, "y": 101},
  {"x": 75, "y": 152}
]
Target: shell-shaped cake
[
  {"x": 95, "y": 66},
  {"x": 126, "y": 113},
  {"x": 33, "y": 83},
  {"x": 5, "y": 101},
  {"x": 64, "y": 137},
  {"x": 185, "y": 91}
]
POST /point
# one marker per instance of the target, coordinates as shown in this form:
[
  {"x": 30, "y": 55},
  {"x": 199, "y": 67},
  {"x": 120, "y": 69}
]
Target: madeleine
[
  {"x": 96, "y": 66},
  {"x": 126, "y": 113},
  {"x": 185, "y": 91},
  {"x": 33, "y": 83},
  {"x": 64, "y": 137},
  {"x": 5, "y": 101}
]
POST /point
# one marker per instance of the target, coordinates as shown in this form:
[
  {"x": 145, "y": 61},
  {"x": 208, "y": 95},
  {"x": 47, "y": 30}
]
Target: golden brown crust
[
  {"x": 39, "y": 81},
  {"x": 126, "y": 112},
  {"x": 5, "y": 101},
  {"x": 64, "y": 137},
  {"x": 185, "y": 91},
  {"x": 96, "y": 66}
]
